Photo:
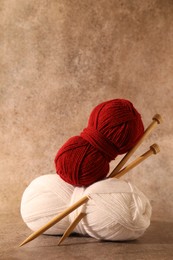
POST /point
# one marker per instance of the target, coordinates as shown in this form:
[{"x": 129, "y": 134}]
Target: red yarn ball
[{"x": 113, "y": 128}]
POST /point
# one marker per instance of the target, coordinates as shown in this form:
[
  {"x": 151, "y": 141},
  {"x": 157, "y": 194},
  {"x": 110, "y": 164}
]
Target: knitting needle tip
[
  {"x": 59, "y": 242},
  {"x": 31, "y": 237},
  {"x": 23, "y": 243}
]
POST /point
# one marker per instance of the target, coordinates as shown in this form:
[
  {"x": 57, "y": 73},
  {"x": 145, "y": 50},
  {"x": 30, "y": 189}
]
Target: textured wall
[{"x": 59, "y": 59}]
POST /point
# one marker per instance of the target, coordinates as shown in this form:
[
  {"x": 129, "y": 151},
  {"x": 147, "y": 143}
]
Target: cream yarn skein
[{"x": 116, "y": 210}]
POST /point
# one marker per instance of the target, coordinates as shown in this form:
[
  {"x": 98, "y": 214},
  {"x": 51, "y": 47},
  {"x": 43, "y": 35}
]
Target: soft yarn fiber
[
  {"x": 116, "y": 210},
  {"x": 113, "y": 128}
]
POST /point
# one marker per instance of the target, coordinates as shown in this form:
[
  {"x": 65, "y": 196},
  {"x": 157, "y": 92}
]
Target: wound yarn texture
[
  {"x": 116, "y": 210},
  {"x": 113, "y": 128}
]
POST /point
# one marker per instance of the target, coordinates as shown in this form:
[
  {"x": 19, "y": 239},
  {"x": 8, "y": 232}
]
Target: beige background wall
[{"x": 60, "y": 58}]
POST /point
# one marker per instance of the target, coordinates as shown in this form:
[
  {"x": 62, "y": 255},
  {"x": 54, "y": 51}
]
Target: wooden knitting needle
[
  {"x": 71, "y": 227},
  {"x": 55, "y": 220},
  {"x": 156, "y": 120},
  {"x": 154, "y": 149}
]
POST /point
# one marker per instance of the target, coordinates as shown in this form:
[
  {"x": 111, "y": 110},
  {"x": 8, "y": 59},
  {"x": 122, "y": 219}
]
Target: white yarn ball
[
  {"x": 44, "y": 198},
  {"x": 115, "y": 211}
]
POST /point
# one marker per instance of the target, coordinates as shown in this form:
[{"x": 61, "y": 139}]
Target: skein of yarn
[
  {"x": 113, "y": 128},
  {"x": 116, "y": 210}
]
